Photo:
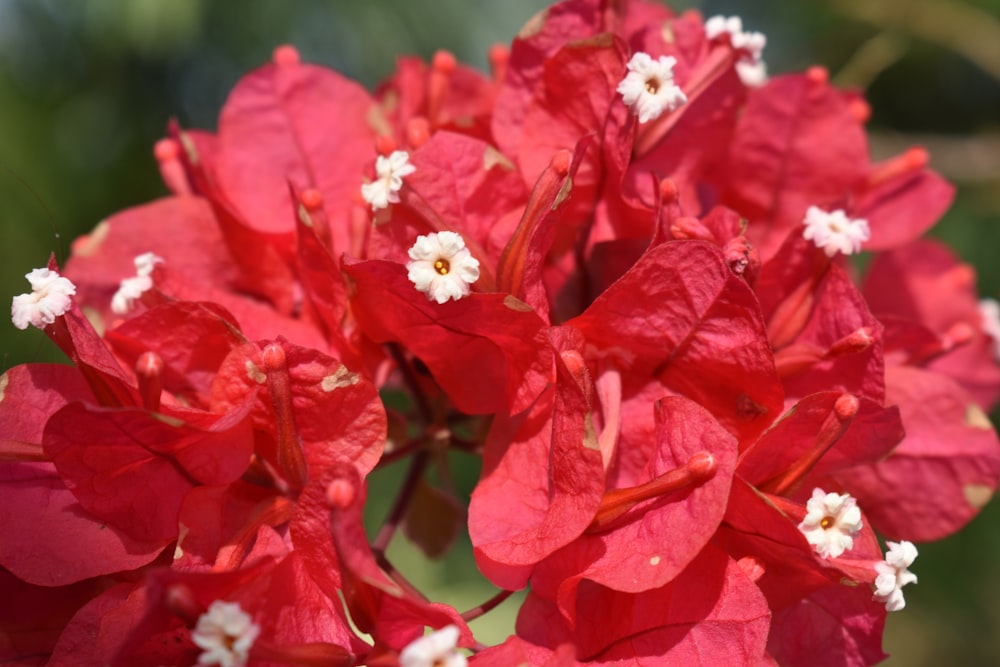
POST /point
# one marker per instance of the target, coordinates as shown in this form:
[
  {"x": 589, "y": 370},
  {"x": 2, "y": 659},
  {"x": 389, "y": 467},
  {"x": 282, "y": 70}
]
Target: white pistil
[
  {"x": 648, "y": 89},
  {"x": 384, "y": 190},
  {"x": 49, "y": 299},
  {"x": 989, "y": 312},
  {"x": 893, "y": 574},
  {"x": 831, "y": 523},
  {"x": 225, "y": 633},
  {"x": 751, "y": 67},
  {"x": 437, "y": 649},
  {"x": 442, "y": 267},
  {"x": 834, "y": 232},
  {"x": 132, "y": 288}
]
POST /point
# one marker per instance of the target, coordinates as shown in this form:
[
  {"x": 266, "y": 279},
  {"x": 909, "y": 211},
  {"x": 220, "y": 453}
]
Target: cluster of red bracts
[{"x": 656, "y": 366}]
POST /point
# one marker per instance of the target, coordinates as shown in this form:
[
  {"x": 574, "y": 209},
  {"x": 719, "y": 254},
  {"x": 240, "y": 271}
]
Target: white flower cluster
[
  {"x": 834, "y": 232},
  {"x": 434, "y": 650},
  {"x": 648, "y": 89},
  {"x": 389, "y": 171},
  {"x": 751, "y": 68},
  {"x": 831, "y": 523},
  {"x": 893, "y": 574},
  {"x": 442, "y": 267},
  {"x": 49, "y": 299},
  {"x": 225, "y": 634},
  {"x": 131, "y": 289}
]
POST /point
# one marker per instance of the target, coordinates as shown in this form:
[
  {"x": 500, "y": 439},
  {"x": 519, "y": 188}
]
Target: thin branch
[
  {"x": 958, "y": 26},
  {"x": 402, "y": 502},
  {"x": 398, "y": 577},
  {"x": 871, "y": 59},
  {"x": 487, "y": 606},
  {"x": 412, "y": 382},
  {"x": 967, "y": 159}
]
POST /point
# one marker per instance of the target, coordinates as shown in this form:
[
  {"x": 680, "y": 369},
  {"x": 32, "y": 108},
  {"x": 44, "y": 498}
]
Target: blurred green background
[{"x": 87, "y": 87}]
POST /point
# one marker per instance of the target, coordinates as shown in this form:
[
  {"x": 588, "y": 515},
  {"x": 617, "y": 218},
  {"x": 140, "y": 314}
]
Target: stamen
[
  {"x": 312, "y": 199},
  {"x": 166, "y": 149},
  {"x": 669, "y": 192},
  {"x": 385, "y": 144},
  {"x": 699, "y": 469},
  {"x": 168, "y": 156},
  {"x": 913, "y": 160},
  {"x": 792, "y": 313},
  {"x": 286, "y": 55},
  {"x": 834, "y": 426},
  {"x": 340, "y": 494},
  {"x": 149, "y": 373},
  {"x": 438, "y": 83},
  {"x": 291, "y": 460},
  {"x": 856, "y": 341},
  {"x": 499, "y": 57},
  {"x": 957, "y": 335},
  {"x": 817, "y": 74},
  {"x": 180, "y": 601},
  {"x": 561, "y": 161},
  {"x": 687, "y": 227},
  {"x": 860, "y": 109},
  {"x": 442, "y": 266},
  {"x": 418, "y": 132},
  {"x": 752, "y": 566},
  {"x": 312, "y": 214}
]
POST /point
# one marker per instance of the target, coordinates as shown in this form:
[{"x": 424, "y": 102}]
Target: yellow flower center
[
  {"x": 827, "y": 522},
  {"x": 442, "y": 266},
  {"x": 652, "y": 86}
]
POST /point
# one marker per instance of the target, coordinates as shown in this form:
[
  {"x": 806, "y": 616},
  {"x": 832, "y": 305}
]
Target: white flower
[
  {"x": 893, "y": 574},
  {"x": 131, "y": 289},
  {"x": 753, "y": 74},
  {"x": 989, "y": 311},
  {"x": 146, "y": 262},
  {"x": 835, "y": 232},
  {"x": 751, "y": 67},
  {"x": 225, "y": 633},
  {"x": 389, "y": 179},
  {"x": 442, "y": 267},
  {"x": 49, "y": 299},
  {"x": 832, "y": 520},
  {"x": 434, "y": 650},
  {"x": 648, "y": 89}
]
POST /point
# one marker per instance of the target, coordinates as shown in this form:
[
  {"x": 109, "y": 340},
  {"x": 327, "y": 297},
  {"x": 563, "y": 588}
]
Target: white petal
[{"x": 49, "y": 299}]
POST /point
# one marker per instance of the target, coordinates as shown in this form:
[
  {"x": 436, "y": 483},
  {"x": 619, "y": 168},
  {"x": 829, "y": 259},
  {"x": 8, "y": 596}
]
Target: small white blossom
[
  {"x": 751, "y": 68},
  {"x": 389, "y": 179},
  {"x": 893, "y": 574},
  {"x": 989, "y": 311},
  {"x": 753, "y": 73},
  {"x": 434, "y": 650},
  {"x": 442, "y": 267},
  {"x": 648, "y": 89},
  {"x": 225, "y": 633},
  {"x": 132, "y": 288},
  {"x": 831, "y": 523},
  {"x": 834, "y": 232},
  {"x": 49, "y": 299},
  {"x": 146, "y": 262}
]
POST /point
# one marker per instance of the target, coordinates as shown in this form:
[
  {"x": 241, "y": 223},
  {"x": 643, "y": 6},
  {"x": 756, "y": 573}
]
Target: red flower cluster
[{"x": 615, "y": 271}]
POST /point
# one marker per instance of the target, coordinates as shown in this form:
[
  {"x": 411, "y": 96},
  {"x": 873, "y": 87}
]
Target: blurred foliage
[{"x": 87, "y": 87}]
